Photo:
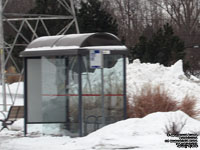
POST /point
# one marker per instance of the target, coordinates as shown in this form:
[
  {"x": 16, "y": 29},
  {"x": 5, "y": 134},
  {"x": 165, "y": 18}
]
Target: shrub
[
  {"x": 174, "y": 128},
  {"x": 188, "y": 106},
  {"x": 156, "y": 99}
]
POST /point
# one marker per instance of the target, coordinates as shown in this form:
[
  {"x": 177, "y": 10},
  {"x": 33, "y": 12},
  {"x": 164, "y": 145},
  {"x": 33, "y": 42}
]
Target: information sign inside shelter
[{"x": 96, "y": 60}]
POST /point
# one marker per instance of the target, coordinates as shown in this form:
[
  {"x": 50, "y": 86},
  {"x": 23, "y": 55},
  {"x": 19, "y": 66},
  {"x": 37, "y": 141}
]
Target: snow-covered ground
[
  {"x": 148, "y": 133},
  {"x": 142, "y": 134}
]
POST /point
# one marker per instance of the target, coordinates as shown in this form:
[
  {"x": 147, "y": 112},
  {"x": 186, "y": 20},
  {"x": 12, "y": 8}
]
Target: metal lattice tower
[{"x": 26, "y": 20}]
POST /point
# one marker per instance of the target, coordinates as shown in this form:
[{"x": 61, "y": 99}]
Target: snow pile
[
  {"x": 14, "y": 95},
  {"x": 127, "y": 133},
  {"x": 171, "y": 78},
  {"x": 132, "y": 133},
  {"x": 14, "y": 88}
]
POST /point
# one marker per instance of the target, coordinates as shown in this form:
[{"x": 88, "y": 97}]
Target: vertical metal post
[
  {"x": 2, "y": 58},
  {"x": 124, "y": 87},
  {"x": 80, "y": 110},
  {"x": 102, "y": 90},
  {"x": 102, "y": 97},
  {"x": 67, "y": 92},
  {"x": 25, "y": 97}
]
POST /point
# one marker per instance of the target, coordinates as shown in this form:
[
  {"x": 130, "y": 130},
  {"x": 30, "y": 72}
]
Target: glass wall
[
  {"x": 113, "y": 87},
  {"x": 97, "y": 110},
  {"x": 52, "y": 86},
  {"x": 53, "y": 91}
]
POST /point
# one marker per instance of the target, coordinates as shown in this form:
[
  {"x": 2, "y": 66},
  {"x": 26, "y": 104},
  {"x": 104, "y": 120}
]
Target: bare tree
[
  {"x": 134, "y": 16},
  {"x": 184, "y": 15}
]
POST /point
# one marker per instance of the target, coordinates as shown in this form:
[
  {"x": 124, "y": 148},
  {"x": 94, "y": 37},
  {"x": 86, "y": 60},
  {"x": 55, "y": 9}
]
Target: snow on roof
[
  {"x": 52, "y": 48},
  {"x": 107, "y": 47},
  {"x": 101, "y": 41},
  {"x": 76, "y": 47}
]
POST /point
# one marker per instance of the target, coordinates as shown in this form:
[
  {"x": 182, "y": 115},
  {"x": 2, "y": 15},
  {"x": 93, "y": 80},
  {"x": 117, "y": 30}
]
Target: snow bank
[
  {"x": 14, "y": 88},
  {"x": 153, "y": 125},
  {"x": 171, "y": 78},
  {"x": 143, "y": 133},
  {"x": 145, "y": 126},
  {"x": 15, "y": 94}
]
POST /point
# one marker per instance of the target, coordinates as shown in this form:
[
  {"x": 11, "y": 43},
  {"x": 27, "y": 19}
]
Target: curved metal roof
[{"x": 72, "y": 44}]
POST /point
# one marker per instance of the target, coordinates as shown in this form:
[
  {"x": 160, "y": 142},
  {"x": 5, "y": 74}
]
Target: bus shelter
[{"x": 77, "y": 81}]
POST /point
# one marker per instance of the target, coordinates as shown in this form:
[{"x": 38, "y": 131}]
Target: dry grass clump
[
  {"x": 188, "y": 105},
  {"x": 156, "y": 99}
]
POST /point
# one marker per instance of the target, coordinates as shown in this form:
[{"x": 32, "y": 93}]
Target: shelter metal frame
[
  {"x": 24, "y": 21},
  {"x": 82, "y": 46},
  {"x": 80, "y": 97}
]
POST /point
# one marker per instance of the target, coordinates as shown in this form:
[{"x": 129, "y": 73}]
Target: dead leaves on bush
[{"x": 156, "y": 99}]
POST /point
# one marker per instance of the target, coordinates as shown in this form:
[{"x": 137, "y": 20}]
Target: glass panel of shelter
[
  {"x": 54, "y": 80},
  {"x": 96, "y": 114},
  {"x": 113, "y": 88}
]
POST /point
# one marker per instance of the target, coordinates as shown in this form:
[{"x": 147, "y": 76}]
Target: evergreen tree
[
  {"x": 92, "y": 18},
  {"x": 164, "y": 47}
]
